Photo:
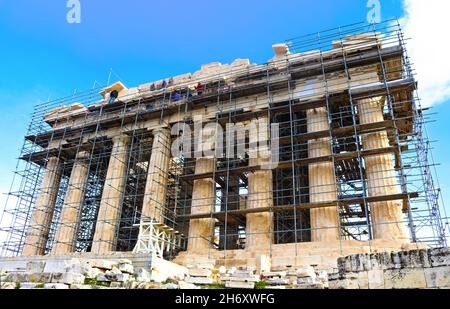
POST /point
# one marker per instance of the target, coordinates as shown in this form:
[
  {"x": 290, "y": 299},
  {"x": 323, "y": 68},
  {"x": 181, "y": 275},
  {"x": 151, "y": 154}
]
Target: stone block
[
  {"x": 158, "y": 277},
  {"x": 374, "y": 261},
  {"x": 251, "y": 278},
  {"x": 263, "y": 263},
  {"x": 40, "y": 277},
  {"x": 171, "y": 286},
  {"x": 306, "y": 280},
  {"x": 7, "y": 286},
  {"x": 334, "y": 276},
  {"x": 17, "y": 277},
  {"x": 386, "y": 260},
  {"x": 408, "y": 278},
  {"x": 57, "y": 277},
  {"x": 425, "y": 258},
  {"x": 133, "y": 285},
  {"x": 115, "y": 285},
  {"x": 68, "y": 278},
  {"x": 199, "y": 280},
  {"x": 35, "y": 267},
  {"x": 438, "y": 277},
  {"x": 239, "y": 285},
  {"x": 200, "y": 272},
  {"x": 275, "y": 281},
  {"x": 306, "y": 271},
  {"x": 142, "y": 275},
  {"x": 28, "y": 285},
  {"x": 83, "y": 267},
  {"x": 344, "y": 264},
  {"x": 151, "y": 286},
  {"x": 56, "y": 286},
  {"x": 186, "y": 286},
  {"x": 343, "y": 284},
  {"x": 93, "y": 273},
  {"x": 396, "y": 260},
  {"x": 413, "y": 259},
  {"x": 232, "y": 270},
  {"x": 204, "y": 265},
  {"x": 114, "y": 274},
  {"x": 60, "y": 265},
  {"x": 125, "y": 261},
  {"x": 80, "y": 287},
  {"x": 312, "y": 286},
  {"x": 375, "y": 279},
  {"x": 359, "y": 262},
  {"x": 243, "y": 273},
  {"x": 103, "y": 264},
  {"x": 322, "y": 275},
  {"x": 126, "y": 268},
  {"x": 122, "y": 277},
  {"x": 168, "y": 269},
  {"x": 439, "y": 257},
  {"x": 276, "y": 274},
  {"x": 350, "y": 275},
  {"x": 363, "y": 280},
  {"x": 102, "y": 277},
  {"x": 277, "y": 287},
  {"x": 9, "y": 265}
]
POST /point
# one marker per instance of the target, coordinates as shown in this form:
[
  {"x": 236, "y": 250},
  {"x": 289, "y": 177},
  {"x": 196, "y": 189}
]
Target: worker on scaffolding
[
  {"x": 176, "y": 97},
  {"x": 199, "y": 88},
  {"x": 113, "y": 96}
]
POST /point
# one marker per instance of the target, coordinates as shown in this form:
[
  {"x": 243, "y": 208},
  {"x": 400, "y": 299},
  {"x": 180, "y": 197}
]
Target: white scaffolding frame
[{"x": 156, "y": 238}]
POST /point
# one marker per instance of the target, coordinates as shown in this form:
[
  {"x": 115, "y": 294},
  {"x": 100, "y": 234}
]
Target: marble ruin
[{"x": 110, "y": 181}]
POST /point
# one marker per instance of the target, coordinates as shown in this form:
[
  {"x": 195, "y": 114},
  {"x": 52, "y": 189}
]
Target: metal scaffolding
[{"x": 323, "y": 70}]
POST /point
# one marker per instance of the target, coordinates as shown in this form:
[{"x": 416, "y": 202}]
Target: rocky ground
[{"x": 409, "y": 269}]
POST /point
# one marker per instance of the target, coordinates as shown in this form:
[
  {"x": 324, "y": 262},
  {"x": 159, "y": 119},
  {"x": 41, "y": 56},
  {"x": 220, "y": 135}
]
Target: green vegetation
[
  {"x": 216, "y": 286},
  {"x": 170, "y": 281},
  {"x": 260, "y": 285},
  {"x": 94, "y": 283}
]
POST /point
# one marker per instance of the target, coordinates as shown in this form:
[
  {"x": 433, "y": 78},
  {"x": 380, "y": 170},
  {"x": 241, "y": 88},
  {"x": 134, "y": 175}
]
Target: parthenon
[{"x": 300, "y": 160}]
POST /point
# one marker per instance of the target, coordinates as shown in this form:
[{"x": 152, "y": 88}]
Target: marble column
[
  {"x": 387, "y": 217},
  {"x": 37, "y": 235},
  {"x": 201, "y": 231},
  {"x": 66, "y": 233},
  {"x": 322, "y": 180},
  {"x": 157, "y": 176},
  {"x": 259, "y": 226},
  {"x": 108, "y": 218}
]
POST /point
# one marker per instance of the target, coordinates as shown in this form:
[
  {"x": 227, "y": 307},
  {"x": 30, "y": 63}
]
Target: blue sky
[{"x": 44, "y": 56}]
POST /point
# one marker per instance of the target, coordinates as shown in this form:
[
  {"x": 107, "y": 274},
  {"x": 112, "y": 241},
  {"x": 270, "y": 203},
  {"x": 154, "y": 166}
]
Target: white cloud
[{"x": 427, "y": 23}]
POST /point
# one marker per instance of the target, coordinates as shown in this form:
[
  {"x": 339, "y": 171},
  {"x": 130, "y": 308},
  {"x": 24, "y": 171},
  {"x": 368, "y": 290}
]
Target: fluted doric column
[
  {"x": 386, "y": 216},
  {"x": 322, "y": 180},
  {"x": 201, "y": 231},
  {"x": 66, "y": 233},
  {"x": 157, "y": 176},
  {"x": 259, "y": 225},
  {"x": 108, "y": 219},
  {"x": 37, "y": 234}
]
